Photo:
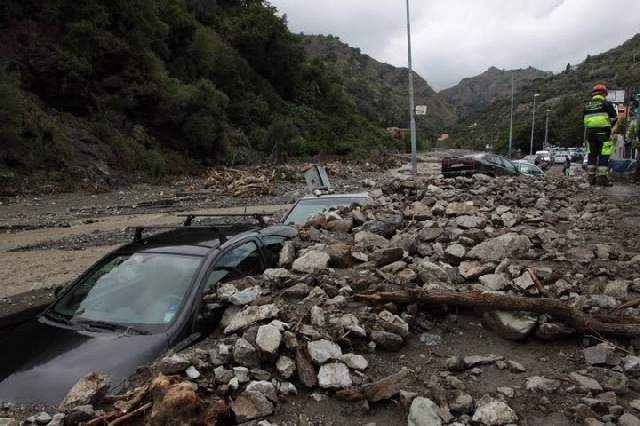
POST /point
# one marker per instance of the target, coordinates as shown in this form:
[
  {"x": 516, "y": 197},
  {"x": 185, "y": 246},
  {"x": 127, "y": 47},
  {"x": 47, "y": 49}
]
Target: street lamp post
[
  {"x": 511, "y": 119},
  {"x": 546, "y": 130},
  {"x": 412, "y": 108},
  {"x": 533, "y": 122}
]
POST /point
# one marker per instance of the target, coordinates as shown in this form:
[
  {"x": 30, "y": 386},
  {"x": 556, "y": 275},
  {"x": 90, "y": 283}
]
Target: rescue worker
[{"x": 599, "y": 116}]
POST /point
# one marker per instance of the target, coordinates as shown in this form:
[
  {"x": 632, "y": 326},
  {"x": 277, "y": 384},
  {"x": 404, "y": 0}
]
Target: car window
[
  {"x": 273, "y": 245},
  {"x": 140, "y": 288},
  {"x": 493, "y": 159},
  {"x": 238, "y": 262},
  {"x": 508, "y": 165},
  {"x": 305, "y": 208}
]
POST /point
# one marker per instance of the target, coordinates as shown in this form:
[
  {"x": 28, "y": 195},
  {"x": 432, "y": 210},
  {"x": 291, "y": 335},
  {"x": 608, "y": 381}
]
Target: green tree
[{"x": 264, "y": 41}]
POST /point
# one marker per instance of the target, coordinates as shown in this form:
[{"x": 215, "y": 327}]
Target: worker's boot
[
  {"x": 591, "y": 179},
  {"x": 603, "y": 180}
]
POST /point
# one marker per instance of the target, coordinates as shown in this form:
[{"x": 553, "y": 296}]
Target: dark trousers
[{"x": 596, "y": 138}]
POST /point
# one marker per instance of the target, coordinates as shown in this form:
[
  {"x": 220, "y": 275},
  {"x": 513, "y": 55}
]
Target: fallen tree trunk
[{"x": 575, "y": 318}]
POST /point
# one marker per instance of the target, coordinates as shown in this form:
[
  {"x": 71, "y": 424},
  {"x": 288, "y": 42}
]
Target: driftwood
[
  {"x": 577, "y": 319},
  {"x": 236, "y": 183},
  {"x": 543, "y": 291}
]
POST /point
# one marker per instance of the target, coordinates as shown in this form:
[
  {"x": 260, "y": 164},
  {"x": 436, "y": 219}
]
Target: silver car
[
  {"x": 310, "y": 204},
  {"x": 526, "y": 168}
]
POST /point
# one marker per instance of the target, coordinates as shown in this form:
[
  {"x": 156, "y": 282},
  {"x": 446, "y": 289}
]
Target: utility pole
[
  {"x": 412, "y": 107},
  {"x": 533, "y": 122},
  {"x": 511, "y": 119},
  {"x": 546, "y": 130}
]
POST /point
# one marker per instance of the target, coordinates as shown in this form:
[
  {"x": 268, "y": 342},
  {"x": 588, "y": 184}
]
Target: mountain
[
  {"x": 559, "y": 103},
  {"x": 473, "y": 93},
  {"x": 381, "y": 91}
]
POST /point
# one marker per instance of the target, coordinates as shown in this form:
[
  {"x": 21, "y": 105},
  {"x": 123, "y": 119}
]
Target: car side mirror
[{"x": 212, "y": 312}]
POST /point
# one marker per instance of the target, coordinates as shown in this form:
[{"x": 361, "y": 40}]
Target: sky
[{"x": 456, "y": 39}]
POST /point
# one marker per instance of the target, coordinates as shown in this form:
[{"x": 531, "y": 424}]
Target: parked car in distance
[
  {"x": 545, "y": 155},
  {"x": 576, "y": 155},
  {"x": 526, "y": 168},
  {"x": 560, "y": 156},
  {"x": 310, "y": 204},
  {"x": 134, "y": 305},
  {"x": 486, "y": 163}
]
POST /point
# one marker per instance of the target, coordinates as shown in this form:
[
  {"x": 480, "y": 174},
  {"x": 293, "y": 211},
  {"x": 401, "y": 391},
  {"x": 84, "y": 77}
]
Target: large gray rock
[
  {"x": 494, "y": 413},
  {"x": 90, "y": 389},
  {"x": 423, "y": 412},
  {"x": 321, "y": 351},
  {"x": 501, "y": 247},
  {"x": 334, "y": 375},
  {"x": 251, "y": 405},
  {"x": 311, "y": 262},
  {"x": 250, "y": 315},
  {"x": 511, "y": 325},
  {"x": 268, "y": 339}
]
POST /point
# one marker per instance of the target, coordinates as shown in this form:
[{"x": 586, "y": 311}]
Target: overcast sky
[{"x": 454, "y": 39}]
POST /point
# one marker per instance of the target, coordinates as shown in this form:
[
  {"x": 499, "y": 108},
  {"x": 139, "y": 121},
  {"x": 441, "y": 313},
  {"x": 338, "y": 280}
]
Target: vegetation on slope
[
  {"x": 103, "y": 88},
  {"x": 562, "y": 95}
]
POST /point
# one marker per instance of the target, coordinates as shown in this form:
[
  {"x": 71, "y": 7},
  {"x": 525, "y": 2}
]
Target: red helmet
[{"x": 599, "y": 89}]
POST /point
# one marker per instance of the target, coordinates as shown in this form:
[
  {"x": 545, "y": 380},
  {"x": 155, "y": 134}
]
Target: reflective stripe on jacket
[{"x": 598, "y": 112}]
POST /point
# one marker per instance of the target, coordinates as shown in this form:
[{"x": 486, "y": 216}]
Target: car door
[
  {"x": 244, "y": 258},
  {"x": 241, "y": 260}
]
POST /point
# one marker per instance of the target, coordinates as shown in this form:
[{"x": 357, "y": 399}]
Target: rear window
[{"x": 305, "y": 208}]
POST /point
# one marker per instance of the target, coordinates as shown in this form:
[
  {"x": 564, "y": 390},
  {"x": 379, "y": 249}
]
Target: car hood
[{"x": 42, "y": 360}]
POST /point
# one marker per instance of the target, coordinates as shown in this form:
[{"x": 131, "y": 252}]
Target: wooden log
[{"x": 575, "y": 318}]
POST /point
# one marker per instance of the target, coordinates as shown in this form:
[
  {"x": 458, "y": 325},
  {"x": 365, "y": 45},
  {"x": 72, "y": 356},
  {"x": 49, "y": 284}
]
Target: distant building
[{"x": 398, "y": 132}]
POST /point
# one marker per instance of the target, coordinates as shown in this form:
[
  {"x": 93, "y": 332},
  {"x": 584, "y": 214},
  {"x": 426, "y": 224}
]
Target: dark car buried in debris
[
  {"x": 135, "y": 304},
  {"x": 485, "y": 163}
]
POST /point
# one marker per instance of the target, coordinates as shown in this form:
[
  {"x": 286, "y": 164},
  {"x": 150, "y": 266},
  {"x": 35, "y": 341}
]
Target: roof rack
[
  {"x": 257, "y": 216},
  {"x": 217, "y": 228}
]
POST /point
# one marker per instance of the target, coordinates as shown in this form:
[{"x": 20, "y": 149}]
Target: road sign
[
  {"x": 421, "y": 109},
  {"x": 616, "y": 96}
]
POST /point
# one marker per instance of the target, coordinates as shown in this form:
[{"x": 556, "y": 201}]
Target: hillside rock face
[
  {"x": 380, "y": 88},
  {"x": 476, "y": 92}
]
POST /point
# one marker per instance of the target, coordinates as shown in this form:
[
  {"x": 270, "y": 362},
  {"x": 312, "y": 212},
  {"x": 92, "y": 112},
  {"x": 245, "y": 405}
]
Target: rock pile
[{"x": 321, "y": 326}]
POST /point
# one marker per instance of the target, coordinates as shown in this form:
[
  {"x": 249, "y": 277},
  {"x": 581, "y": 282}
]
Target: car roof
[
  {"x": 363, "y": 194},
  {"x": 196, "y": 240}
]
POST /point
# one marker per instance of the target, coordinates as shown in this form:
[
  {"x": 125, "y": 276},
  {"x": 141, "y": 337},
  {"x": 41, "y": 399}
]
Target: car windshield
[
  {"x": 137, "y": 288},
  {"x": 305, "y": 208}
]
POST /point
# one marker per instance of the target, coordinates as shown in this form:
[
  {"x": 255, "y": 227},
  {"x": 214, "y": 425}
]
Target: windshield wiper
[
  {"x": 109, "y": 326},
  {"x": 54, "y": 316}
]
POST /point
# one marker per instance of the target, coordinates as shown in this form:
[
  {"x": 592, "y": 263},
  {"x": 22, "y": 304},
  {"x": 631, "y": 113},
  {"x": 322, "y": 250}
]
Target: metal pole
[
  {"x": 533, "y": 122},
  {"x": 511, "y": 119},
  {"x": 546, "y": 130},
  {"x": 412, "y": 108}
]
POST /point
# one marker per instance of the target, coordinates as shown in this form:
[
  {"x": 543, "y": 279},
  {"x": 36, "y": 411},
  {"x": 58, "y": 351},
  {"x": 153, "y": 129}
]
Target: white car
[{"x": 560, "y": 156}]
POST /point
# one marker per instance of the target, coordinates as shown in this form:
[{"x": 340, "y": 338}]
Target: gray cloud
[{"x": 454, "y": 39}]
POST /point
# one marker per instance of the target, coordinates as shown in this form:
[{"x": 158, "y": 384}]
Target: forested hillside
[
  {"x": 381, "y": 91},
  {"x": 561, "y": 98},
  {"x": 100, "y": 90},
  {"x": 474, "y": 93}
]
